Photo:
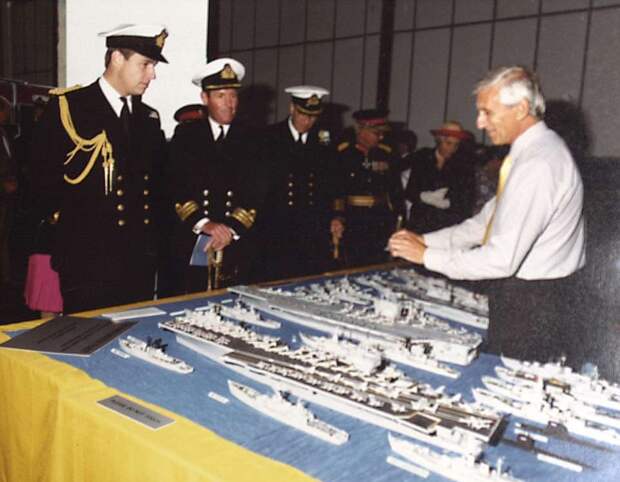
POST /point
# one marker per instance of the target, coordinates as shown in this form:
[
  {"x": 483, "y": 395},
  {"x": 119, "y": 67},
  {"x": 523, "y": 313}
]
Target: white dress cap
[
  {"x": 306, "y": 91},
  {"x": 216, "y": 70}
]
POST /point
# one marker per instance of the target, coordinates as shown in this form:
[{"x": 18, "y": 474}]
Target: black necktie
[
  {"x": 220, "y": 137},
  {"x": 125, "y": 116},
  {"x": 300, "y": 141}
]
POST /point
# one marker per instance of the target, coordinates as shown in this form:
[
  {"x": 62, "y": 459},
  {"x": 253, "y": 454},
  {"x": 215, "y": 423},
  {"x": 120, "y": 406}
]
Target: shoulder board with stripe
[
  {"x": 386, "y": 148},
  {"x": 342, "y": 146},
  {"x": 64, "y": 90}
]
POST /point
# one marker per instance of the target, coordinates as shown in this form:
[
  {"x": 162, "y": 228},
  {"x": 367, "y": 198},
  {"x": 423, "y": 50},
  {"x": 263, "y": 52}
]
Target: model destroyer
[
  {"x": 439, "y": 290},
  {"x": 292, "y": 414},
  {"x": 391, "y": 323},
  {"x": 462, "y": 468},
  {"x": 368, "y": 357},
  {"x": 467, "y": 307},
  {"x": 152, "y": 351},
  {"x": 385, "y": 397}
]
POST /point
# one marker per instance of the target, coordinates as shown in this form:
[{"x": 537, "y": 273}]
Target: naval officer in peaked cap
[
  {"x": 96, "y": 152},
  {"x": 293, "y": 231},
  {"x": 214, "y": 189}
]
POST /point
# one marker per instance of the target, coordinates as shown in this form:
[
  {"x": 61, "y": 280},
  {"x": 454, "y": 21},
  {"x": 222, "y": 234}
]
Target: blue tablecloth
[{"x": 362, "y": 458}]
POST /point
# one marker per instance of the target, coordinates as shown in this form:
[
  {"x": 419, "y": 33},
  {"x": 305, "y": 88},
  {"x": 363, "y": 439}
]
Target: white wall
[{"x": 81, "y": 51}]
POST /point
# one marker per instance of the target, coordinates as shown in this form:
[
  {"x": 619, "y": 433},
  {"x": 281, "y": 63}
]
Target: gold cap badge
[
  {"x": 227, "y": 72},
  {"x": 161, "y": 38}
]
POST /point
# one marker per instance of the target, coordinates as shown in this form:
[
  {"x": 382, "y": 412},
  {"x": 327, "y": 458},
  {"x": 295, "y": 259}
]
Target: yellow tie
[{"x": 503, "y": 176}]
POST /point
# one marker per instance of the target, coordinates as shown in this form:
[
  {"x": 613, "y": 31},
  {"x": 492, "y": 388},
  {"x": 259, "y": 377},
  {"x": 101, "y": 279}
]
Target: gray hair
[{"x": 516, "y": 83}]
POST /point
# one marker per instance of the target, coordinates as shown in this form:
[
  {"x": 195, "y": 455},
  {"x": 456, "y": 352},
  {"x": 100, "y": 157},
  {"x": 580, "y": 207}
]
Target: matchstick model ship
[
  {"x": 292, "y": 414},
  {"x": 384, "y": 396},
  {"x": 462, "y": 468},
  {"x": 152, "y": 351}
]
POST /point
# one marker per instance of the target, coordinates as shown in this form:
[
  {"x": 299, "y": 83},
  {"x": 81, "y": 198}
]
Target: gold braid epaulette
[{"x": 97, "y": 145}]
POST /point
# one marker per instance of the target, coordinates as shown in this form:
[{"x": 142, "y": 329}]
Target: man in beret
[
  {"x": 441, "y": 184},
  {"x": 293, "y": 230},
  {"x": 96, "y": 152},
  {"x": 214, "y": 184},
  {"x": 369, "y": 200}
]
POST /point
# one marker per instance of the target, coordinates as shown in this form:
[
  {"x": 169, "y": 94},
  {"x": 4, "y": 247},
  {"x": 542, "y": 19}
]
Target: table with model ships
[{"x": 376, "y": 374}]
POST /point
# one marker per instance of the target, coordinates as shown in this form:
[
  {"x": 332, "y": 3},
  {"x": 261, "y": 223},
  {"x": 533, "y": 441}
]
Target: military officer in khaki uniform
[{"x": 369, "y": 197}]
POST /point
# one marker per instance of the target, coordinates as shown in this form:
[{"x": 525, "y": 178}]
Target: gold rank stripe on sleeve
[
  {"x": 385, "y": 148},
  {"x": 366, "y": 201},
  {"x": 246, "y": 218},
  {"x": 185, "y": 210},
  {"x": 96, "y": 146},
  {"x": 342, "y": 146}
]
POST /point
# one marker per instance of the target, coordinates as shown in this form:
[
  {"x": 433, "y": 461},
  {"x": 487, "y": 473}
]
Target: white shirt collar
[
  {"x": 215, "y": 128},
  {"x": 295, "y": 132},
  {"x": 113, "y": 97}
]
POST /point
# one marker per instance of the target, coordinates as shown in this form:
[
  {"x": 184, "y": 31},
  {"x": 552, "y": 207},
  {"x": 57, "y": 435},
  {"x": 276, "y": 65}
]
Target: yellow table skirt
[{"x": 51, "y": 429}]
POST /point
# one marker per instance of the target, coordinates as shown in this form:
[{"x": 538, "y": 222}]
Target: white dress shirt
[
  {"x": 113, "y": 97},
  {"x": 538, "y": 228},
  {"x": 215, "y": 128},
  {"x": 295, "y": 133}
]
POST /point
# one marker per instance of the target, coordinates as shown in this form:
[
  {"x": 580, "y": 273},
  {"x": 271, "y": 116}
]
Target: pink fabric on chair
[{"x": 42, "y": 291}]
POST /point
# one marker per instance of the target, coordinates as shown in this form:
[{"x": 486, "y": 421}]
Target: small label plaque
[{"x": 136, "y": 412}]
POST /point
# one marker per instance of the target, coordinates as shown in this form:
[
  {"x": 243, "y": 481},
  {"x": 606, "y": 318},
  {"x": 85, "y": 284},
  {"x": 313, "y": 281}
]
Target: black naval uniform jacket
[
  {"x": 293, "y": 230},
  {"x": 370, "y": 199},
  {"x": 214, "y": 180},
  {"x": 457, "y": 175},
  {"x": 104, "y": 244}
]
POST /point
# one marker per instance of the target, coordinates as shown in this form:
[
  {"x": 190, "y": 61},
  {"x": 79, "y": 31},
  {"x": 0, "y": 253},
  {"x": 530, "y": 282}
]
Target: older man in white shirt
[{"x": 529, "y": 237}]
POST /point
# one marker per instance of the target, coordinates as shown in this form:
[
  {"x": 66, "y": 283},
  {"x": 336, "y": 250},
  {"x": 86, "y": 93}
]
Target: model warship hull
[
  {"x": 153, "y": 355},
  {"x": 288, "y": 413},
  {"x": 444, "y": 306},
  {"x": 573, "y": 423},
  {"x": 385, "y": 398},
  {"x": 448, "y": 344},
  {"x": 459, "y": 468}
]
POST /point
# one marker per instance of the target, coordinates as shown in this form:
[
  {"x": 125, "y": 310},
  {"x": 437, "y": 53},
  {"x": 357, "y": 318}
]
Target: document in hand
[{"x": 199, "y": 253}]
